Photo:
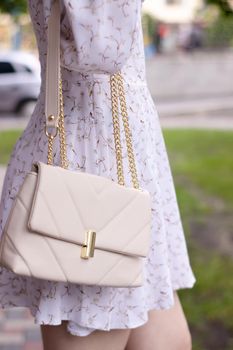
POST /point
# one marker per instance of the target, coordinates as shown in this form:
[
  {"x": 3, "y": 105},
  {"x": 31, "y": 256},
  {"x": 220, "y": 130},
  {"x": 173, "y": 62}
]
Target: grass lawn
[
  {"x": 202, "y": 164},
  {"x": 7, "y": 141}
]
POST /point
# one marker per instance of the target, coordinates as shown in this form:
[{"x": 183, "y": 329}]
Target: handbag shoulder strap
[{"x": 52, "y": 104}]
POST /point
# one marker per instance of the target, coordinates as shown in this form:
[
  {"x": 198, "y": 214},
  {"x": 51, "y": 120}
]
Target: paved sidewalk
[
  {"x": 182, "y": 75},
  {"x": 205, "y": 114},
  {"x": 18, "y": 331},
  {"x": 11, "y": 121},
  {"x": 211, "y": 106},
  {"x": 198, "y": 122}
]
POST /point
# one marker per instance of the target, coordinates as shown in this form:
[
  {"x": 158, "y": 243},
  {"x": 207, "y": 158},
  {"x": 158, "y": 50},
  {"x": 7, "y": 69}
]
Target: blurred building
[
  {"x": 17, "y": 33},
  {"x": 173, "y": 11},
  {"x": 175, "y": 25},
  {"x": 5, "y": 31}
]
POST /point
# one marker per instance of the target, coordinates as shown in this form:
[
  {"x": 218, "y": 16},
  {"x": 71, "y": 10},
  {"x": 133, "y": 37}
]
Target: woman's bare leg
[
  {"x": 165, "y": 330},
  {"x": 57, "y": 338}
]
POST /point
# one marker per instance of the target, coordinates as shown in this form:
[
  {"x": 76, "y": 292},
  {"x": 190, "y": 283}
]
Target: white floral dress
[{"x": 90, "y": 146}]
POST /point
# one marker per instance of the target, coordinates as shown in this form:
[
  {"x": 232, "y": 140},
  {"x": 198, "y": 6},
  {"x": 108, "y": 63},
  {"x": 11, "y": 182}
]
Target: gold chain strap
[
  {"x": 118, "y": 91},
  {"x": 61, "y": 129},
  {"x": 117, "y": 97},
  {"x": 128, "y": 134},
  {"x": 50, "y": 148},
  {"x": 116, "y": 130}
]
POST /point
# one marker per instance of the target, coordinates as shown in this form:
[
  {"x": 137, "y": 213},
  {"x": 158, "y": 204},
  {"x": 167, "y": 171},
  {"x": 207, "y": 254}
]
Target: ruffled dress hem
[{"x": 78, "y": 328}]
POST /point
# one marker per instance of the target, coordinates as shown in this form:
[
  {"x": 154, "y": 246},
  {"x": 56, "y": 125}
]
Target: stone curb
[
  {"x": 2, "y": 174},
  {"x": 193, "y": 108}
]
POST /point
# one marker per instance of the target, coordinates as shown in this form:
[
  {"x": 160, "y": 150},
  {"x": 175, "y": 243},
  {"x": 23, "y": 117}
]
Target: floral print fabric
[
  {"x": 90, "y": 145},
  {"x": 101, "y": 34}
]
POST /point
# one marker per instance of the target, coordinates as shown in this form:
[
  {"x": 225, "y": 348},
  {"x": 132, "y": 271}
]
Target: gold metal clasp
[{"x": 88, "y": 247}]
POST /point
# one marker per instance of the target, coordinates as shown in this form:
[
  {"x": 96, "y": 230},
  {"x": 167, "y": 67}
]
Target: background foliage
[
  {"x": 220, "y": 33},
  {"x": 18, "y": 6},
  {"x": 14, "y": 7},
  {"x": 224, "y": 6}
]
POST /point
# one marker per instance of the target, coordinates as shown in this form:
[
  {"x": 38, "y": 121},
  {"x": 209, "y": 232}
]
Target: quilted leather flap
[{"x": 66, "y": 204}]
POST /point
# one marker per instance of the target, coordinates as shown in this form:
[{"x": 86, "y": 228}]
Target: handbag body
[{"x": 71, "y": 226}]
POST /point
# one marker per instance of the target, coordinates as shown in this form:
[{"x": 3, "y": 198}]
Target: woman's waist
[
  {"x": 75, "y": 82},
  {"x": 101, "y": 77}
]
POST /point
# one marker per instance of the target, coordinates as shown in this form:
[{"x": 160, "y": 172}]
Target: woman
[{"x": 78, "y": 317}]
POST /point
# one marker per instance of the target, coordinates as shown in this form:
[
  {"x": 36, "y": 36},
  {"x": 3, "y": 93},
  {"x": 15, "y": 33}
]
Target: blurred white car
[{"x": 19, "y": 82}]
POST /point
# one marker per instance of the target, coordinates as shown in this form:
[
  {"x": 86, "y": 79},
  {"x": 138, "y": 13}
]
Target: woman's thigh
[
  {"x": 57, "y": 337},
  {"x": 165, "y": 330}
]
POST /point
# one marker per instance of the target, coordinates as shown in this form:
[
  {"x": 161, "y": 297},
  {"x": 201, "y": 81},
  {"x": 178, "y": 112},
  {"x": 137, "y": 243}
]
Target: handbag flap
[{"x": 66, "y": 204}]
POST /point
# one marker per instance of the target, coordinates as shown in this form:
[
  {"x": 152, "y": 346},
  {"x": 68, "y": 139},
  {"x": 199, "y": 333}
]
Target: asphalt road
[{"x": 189, "y": 90}]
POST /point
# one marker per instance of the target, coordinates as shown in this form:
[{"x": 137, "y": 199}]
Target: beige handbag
[{"x": 72, "y": 226}]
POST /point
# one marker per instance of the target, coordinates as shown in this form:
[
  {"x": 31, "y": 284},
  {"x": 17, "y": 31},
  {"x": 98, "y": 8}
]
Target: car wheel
[{"x": 27, "y": 108}]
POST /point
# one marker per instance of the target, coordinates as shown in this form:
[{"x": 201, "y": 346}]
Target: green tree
[
  {"x": 14, "y": 7},
  {"x": 224, "y": 6}
]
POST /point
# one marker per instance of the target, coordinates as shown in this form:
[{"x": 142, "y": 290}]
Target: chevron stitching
[
  {"x": 74, "y": 204},
  {"x": 140, "y": 273},
  {"x": 137, "y": 234},
  {"x": 22, "y": 203},
  {"x": 119, "y": 213},
  {"x": 123, "y": 252},
  {"x": 51, "y": 213},
  {"x": 115, "y": 215},
  {"x": 18, "y": 252},
  {"x": 110, "y": 221},
  {"x": 110, "y": 270},
  {"x": 106, "y": 224},
  {"x": 93, "y": 188},
  {"x": 57, "y": 260},
  {"x": 134, "y": 237}
]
